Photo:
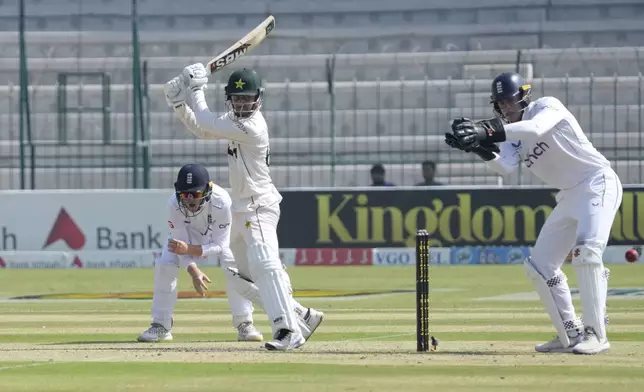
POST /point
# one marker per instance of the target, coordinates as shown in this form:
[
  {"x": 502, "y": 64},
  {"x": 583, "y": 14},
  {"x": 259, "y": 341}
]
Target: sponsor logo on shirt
[{"x": 534, "y": 154}]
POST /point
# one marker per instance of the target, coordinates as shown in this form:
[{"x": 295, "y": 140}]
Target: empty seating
[
  {"x": 630, "y": 171},
  {"x": 403, "y": 70},
  {"x": 309, "y": 156},
  {"x": 362, "y": 67},
  {"x": 165, "y": 14},
  {"x": 316, "y": 123},
  {"x": 400, "y": 94},
  {"x": 358, "y": 149},
  {"x": 370, "y": 39}
]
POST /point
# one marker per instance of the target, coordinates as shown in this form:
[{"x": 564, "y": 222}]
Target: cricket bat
[{"x": 243, "y": 46}]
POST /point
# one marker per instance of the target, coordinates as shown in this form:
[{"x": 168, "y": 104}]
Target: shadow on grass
[
  {"x": 131, "y": 341},
  {"x": 169, "y": 347}
]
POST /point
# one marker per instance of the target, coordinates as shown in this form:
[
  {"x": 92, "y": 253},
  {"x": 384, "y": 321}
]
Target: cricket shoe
[
  {"x": 312, "y": 320},
  {"x": 575, "y": 333},
  {"x": 156, "y": 333},
  {"x": 591, "y": 343},
  {"x": 555, "y": 346},
  {"x": 248, "y": 333},
  {"x": 284, "y": 340}
]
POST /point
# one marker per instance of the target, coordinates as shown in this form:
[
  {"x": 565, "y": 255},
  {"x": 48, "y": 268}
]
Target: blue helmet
[
  {"x": 193, "y": 188},
  {"x": 510, "y": 85}
]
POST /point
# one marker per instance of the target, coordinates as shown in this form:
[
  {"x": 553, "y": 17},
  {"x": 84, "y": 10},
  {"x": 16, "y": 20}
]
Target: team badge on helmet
[
  {"x": 510, "y": 96},
  {"x": 244, "y": 96},
  {"x": 193, "y": 189}
]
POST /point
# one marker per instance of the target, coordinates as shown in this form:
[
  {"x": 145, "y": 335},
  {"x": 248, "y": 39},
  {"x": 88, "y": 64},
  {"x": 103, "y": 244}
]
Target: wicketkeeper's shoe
[
  {"x": 284, "y": 340},
  {"x": 591, "y": 343},
  {"x": 555, "y": 346},
  {"x": 312, "y": 319},
  {"x": 156, "y": 333},
  {"x": 248, "y": 333}
]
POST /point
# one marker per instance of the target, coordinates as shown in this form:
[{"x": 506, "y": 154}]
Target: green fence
[
  {"x": 46, "y": 142},
  {"x": 85, "y": 111}
]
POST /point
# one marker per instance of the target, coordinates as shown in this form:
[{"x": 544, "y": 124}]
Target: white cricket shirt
[
  {"x": 248, "y": 152},
  {"x": 550, "y": 143},
  {"x": 210, "y": 228}
]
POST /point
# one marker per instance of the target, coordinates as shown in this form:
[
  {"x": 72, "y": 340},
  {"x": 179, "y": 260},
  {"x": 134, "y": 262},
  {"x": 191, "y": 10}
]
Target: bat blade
[{"x": 243, "y": 46}]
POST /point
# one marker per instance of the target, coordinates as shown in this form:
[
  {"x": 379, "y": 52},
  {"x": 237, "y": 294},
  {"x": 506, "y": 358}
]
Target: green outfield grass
[{"x": 367, "y": 343}]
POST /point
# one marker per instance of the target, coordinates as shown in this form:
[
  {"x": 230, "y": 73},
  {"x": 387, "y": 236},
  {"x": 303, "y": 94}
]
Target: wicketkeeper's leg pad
[
  {"x": 592, "y": 281},
  {"x": 555, "y": 296}
]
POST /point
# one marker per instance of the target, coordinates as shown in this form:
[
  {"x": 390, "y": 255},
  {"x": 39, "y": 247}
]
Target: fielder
[
  {"x": 199, "y": 220},
  {"x": 547, "y": 138},
  {"x": 255, "y": 200}
]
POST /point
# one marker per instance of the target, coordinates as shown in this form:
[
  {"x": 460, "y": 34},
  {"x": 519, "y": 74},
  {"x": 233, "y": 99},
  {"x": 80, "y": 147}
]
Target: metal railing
[{"x": 344, "y": 139}]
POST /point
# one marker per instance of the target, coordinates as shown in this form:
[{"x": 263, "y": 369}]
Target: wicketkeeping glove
[
  {"x": 486, "y": 152},
  {"x": 471, "y": 134},
  {"x": 451, "y": 141}
]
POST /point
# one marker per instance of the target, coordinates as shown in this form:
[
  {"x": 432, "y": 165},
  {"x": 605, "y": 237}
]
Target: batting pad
[
  {"x": 248, "y": 290},
  {"x": 274, "y": 288},
  {"x": 300, "y": 310},
  {"x": 164, "y": 296},
  {"x": 241, "y": 285},
  {"x": 591, "y": 278},
  {"x": 543, "y": 287}
]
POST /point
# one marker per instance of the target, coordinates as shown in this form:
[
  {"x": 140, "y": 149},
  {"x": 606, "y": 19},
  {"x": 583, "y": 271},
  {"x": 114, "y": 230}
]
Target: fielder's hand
[
  {"x": 199, "y": 280},
  {"x": 175, "y": 95},
  {"x": 177, "y": 247},
  {"x": 195, "y": 76}
]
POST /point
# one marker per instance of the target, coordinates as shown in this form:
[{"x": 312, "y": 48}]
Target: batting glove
[
  {"x": 175, "y": 95},
  {"x": 195, "y": 76}
]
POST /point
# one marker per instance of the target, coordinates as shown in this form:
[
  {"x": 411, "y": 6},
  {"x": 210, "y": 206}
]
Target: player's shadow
[
  {"x": 91, "y": 342},
  {"x": 429, "y": 353},
  {"x": 158, "y": 347},
  {"x": 185, "y": 347}
]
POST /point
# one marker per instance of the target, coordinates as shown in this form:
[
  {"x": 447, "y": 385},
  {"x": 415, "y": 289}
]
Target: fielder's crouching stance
[
  {"x": 255, "y": 200},
  {"x": 200, "y": 222},
  {"x": 547, "y": 138}
]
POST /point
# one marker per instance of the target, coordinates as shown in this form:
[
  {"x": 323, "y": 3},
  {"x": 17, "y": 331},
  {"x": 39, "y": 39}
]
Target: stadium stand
[{"x": 403, "y": 70}]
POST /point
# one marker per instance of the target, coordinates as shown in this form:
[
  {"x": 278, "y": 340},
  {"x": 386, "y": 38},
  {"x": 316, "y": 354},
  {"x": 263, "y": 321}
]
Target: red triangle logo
[
  {"x": 77, "y": 262},
  {"x": 67, "y": 230}
]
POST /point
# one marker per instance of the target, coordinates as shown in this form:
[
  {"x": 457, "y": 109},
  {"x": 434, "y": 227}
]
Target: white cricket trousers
[
  {"x": 254, "y": 235},
  {"x": 252, "y": 227},
  {"x": 584, "y": 215},
  {"x": 165, "y": 293}
]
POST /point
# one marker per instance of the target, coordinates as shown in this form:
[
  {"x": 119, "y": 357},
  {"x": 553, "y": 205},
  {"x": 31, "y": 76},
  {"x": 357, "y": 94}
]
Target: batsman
[{"x": 255, "y": 200}]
